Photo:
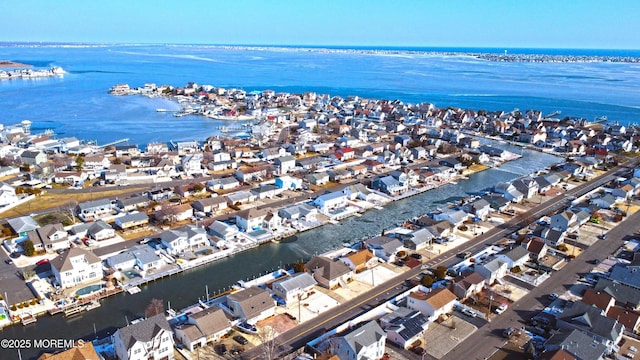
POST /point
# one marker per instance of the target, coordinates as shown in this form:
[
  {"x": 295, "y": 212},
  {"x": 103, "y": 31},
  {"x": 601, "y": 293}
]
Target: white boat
[{"x": 247, "y": 328}]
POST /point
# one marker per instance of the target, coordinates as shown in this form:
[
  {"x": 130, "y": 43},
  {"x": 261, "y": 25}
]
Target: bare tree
[
  {"x": 155, "y": 307},
  {"x": 268, "y": 344}
]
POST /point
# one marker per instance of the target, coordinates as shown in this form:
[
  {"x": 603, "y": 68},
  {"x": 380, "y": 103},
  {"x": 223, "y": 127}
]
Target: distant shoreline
[{"x": 8, "y": 64}]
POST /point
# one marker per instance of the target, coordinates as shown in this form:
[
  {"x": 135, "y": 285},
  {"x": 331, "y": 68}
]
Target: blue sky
[{"x": 602, "y": 24}]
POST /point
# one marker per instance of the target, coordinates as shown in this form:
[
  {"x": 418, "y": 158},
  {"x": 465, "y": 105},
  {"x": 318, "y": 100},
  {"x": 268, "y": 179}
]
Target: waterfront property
[
  {"x": 76, "y": 266},
  {"x": 202, "y": 327},
  {"x": 251, "y": 305},
  {"x": 151, "y": 338}
]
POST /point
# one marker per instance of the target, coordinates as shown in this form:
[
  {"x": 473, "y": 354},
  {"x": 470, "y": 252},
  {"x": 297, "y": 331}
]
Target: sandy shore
[{"x": 12, "y": 65}]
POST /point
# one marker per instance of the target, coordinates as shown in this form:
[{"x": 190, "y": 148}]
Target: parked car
[
  {"x": 553, "y": 296},
  {"x": 500, "y": 309},
  {"x": 416, "y": 256},
  {"x": 468, "y": 312},
  {"x": 464, "y": 255},
  {"x": 602, "y": 236},
  {"x": 8, "y": 261},
  {"x": 240, "y": 340},
  {"x": 221, "y": 349},
  {"x": 419, "y": 350},
  {"x": 42, "y": 262}
]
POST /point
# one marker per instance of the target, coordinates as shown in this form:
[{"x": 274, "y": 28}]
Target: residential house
[
  {"x": 132, "y": 220},
  {"x": 251, "y": 305},
  {"x": 627, "y": 317},
  {"x": 552, "y": 237},
  {"x": 285, "y": 164},
  {"x": 267, "y": 191},
  {"x": 492, "y": 268},
  {"x": 69, "y": 177},
  {"x": 404, "y": 326},
  {"x": 192, "y": 189},
  {"x": 627, "y": 274},
  {"x": 599, "y": 299},
  {"x": 573, "y": 344},
  {"x": 384, "y": 247},
  {"x": 566, "y": 221},
  {"x": 224, "y": 183},
  {"x": 454, "y": 216},
  {"x": 509, "y": 191},
  {"x": 241, "y": 197},
  {"x": 50, "y": 237},
  {"x": 185, "y": 238},
  {"x": 363, "y": 343},
  {"x": 173, "y": 213},
  {"x": 254, "y": 173},
  {"x": 592, "y": 321},
  {"x": 100, "y": 230},
  {"x": 86, "y": 351},
  {"x": 297, "y": 212},
  {"x": 223, "y": 230},
  {"x": 202, "y": 327},
  {"x": 134, "y": 202},
  {"x": 294, "y": 287},
  {"x": 329, "y": 273},
  {"x": 515, "y": 256},
  {"x": 142, "y": 257},
  {"x": 536, "y": 247},
  {"x": 160, "y": 194},
  {"x": 526, "y": 186},
  {"x": 389, "y": 185},
  {"x": 417, "y": 239},
  {"x": 288, "y": 183},
  {"x": 318, "y": 178},
  {"x": 331, "y": 201},
  {"x": 115, "y": 173},
  {"x": 360, "y": 260},
  {"x": 95, "y": 210},
  {"x": 22, "y": 225},
  {"x": 251, "y": 219},
  {"x": 210, "y": 205},
  {"x": 75, "y": 267},
  {"x": 467, "y": 285},
  {"x": 151, "y": 338},
  {"x": 625, "y": 295},
  {"x": 432, "y": 303},
  {"x": 480, "y": 209},
  {"x": 32, "y": 157},
  {"x": 607, "y": 201}
]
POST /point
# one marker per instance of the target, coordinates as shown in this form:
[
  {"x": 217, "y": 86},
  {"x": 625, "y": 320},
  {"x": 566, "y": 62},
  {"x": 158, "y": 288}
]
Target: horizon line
[{"x": 352, "y": 46}]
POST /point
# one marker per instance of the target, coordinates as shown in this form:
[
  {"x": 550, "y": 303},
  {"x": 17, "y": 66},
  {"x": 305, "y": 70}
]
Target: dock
[
  {"x": 133, "y": 290},
  {"x": 73, "y": 311}
]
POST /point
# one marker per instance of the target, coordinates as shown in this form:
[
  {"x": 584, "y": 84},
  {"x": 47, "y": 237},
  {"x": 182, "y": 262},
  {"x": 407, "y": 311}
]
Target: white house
[
  {"x": 7, "y": 194},
  {"x": 251, "y": 305},
  {"x": 75, "y": 267},
  {"x": 331, "y": 201},
  {"x": 365, "y": 342},
  {"x": 151, "y": 338},
  {"x": 251, "y": 219},
  {"x": 294, "y": 287},
  {"x": 404, "y": 326}
]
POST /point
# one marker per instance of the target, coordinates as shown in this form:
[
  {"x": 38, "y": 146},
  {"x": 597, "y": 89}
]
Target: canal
[{"x": 186, "y": 288}]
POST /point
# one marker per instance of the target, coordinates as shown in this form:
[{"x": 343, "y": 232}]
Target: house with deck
[
  {"x": 202, "y": 328},
  {"x": 76, "y": 266},
  {"x": 251, "y": 305},
  {"x": 151, "y": 338},
  {"x": 294, "y": 287}
]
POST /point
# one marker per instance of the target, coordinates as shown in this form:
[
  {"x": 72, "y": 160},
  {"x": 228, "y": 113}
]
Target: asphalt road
[{"x": 484, "y": 342}]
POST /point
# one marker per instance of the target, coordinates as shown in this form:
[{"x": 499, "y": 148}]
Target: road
[
  {"x": 485, "y": 341},
  {"x": 307, "y": 331}
]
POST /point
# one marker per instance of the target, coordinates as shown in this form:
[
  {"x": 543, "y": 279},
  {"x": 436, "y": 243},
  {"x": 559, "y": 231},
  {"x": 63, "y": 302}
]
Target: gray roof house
[
  {"x": 100, "y": 230},
  {"x": 625, "y": 295},
  {"x": 132, "y": 220},
  {"x": 50, "y": 237},
  {"x": 576, "y": 343},
  {"x": 223, "y": 230},
  {"x": 251, "y": 305},
  {"x": 514, "y": 257},
  {"x": 142, "y": 256},
  {"x": 151, "y": 338},
  {"x": 590, "y": 319},
  {"x": 294, "y": 287},
  {"x": 365, "y": 342},
  {"x": 384, "y": 247},
  {"x": 418, "y": 239},
  {"x": 492, "y": 269},
  {"x": 626, "y": 274},
  {"x": 93, "y": 210},
  {"x": 22, "y": 225}
]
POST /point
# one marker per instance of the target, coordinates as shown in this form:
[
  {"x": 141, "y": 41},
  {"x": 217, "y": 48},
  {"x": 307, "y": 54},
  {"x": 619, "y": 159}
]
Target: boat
[
  {"x": 161, "y": 110},
  {"x": 93, "y": 305},
  {"x": 247, "y": 328}
]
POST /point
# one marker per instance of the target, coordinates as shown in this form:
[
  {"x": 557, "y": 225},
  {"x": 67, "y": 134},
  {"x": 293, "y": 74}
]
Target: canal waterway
[{"x": 186, "y": 288}]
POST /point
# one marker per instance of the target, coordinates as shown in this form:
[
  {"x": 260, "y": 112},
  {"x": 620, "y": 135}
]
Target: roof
[
  {"x": 84, "y": 352},
  {"x": 624, "y": 294},
  {"x": 297, "y": 281},
  {"x": 472, "y": 279},
  {"x": 517, "y": 253},
  {"x": 438, "y": 298},
  {"x": 143, "y": 331},
  {"x": 63, "y": 262},
  {"x": 360, "y": 257},
  {"x": 364, "y": 336},
  {"x": 599, "y": 299},
  {"x": 98, "y": 226},
  {"x": 210, "y": 321},
  {"x": 576, "y": 343},
  {"x": 626, "y": 317},
  {"x": 22, "y": 224},
  {"x": 252, "y": 213},
  {"x": 139, "y": 216},
  {"x": 252, "y": 301},
  {"x": 327, "y": 268},
  {"x": 94, "y": 204},
  {"x": 626, "y": 274},
  {"x": 408, "y": 326},
  {"x": 589, "y": 318}
]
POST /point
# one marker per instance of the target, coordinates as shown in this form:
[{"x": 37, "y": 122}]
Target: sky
[{"x": 586, "y": 24}]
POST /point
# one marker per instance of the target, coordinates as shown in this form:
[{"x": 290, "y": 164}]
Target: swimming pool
[
  {"x": 130, "y": 274},
  {"x": 88, "y": 290}
]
